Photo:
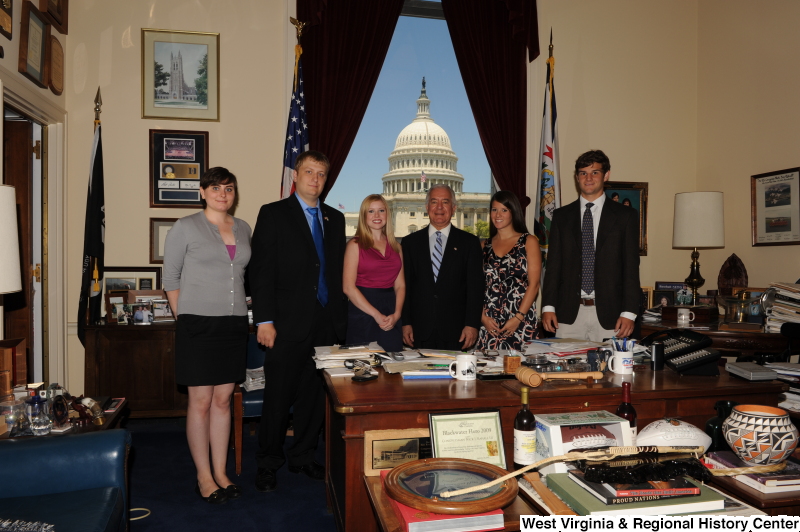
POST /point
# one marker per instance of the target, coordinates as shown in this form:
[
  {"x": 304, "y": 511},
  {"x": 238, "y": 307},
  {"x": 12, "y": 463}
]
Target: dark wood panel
[
  {"x": 17, "y": 167},
  {"x": 731, "y": 342}
]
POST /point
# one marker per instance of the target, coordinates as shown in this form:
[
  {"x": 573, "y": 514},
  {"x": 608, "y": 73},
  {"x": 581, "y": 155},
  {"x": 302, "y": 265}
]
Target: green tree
[
  {"x": 161, "y": 78},
  {"x": 201, "y": 83},
  {"x": 481, "y": 229}
]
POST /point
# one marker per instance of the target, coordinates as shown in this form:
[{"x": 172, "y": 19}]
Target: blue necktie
[
  {"x": 587, "y": 256},
  {"x": 322, "y": 286},
  {"x": 436, "y": 258}
]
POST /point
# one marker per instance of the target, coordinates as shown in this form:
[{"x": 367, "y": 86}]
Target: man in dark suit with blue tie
[
  {"x": 591, "y": 284},
  {"x": 444, "y": 279},
  {"x": 295, "y": 278}
]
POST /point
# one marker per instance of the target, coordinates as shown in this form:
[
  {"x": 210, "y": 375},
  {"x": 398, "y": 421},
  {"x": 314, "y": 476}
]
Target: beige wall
[
  {"x": 748, "y": 119},
  {"x": 104, "y": 49},
  {"x": 668, "y": 89}
]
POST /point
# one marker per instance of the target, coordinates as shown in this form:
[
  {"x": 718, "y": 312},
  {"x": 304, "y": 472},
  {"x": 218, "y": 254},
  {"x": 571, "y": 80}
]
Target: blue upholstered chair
[
  {"x": 76, "y": 482},
  {"x": 246, "y": 404}
]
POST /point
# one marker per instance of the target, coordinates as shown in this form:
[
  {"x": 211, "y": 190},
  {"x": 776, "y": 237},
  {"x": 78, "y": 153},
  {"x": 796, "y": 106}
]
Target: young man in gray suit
[
  {"x": 591, "y": 285},
  {"x": 444, "y": 279}
]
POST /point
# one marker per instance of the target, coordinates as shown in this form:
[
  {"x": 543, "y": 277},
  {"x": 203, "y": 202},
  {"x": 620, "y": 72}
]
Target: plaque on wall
[
  {"x": 6, "y": 8},
  {"x": 56, "y": 81},
  {"x": 34, "y": 39},
  {"x": 56, "y": 12}
]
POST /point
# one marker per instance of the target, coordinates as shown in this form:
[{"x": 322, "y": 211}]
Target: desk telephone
[{"x": 686, "y": 352}]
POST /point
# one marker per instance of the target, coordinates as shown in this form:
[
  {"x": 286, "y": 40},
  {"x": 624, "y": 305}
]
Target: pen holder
[
  {"x": 621, "y": 362},
  {"x": 511, "y": 363}
]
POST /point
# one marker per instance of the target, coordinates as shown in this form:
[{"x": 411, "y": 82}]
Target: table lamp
[
  {"x": 10, "y": 269},
  {"x": 699, "y": 223}
]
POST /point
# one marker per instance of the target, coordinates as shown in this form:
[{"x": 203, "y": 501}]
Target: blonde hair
[{"x": 363, "y": 232}]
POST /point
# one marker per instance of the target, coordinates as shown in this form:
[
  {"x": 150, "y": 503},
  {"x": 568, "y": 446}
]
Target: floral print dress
[{"x": 506, "y": 283}]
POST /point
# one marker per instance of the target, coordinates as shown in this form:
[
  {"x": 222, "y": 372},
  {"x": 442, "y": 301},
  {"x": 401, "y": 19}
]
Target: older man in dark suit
[
  {"x": 591, "y": 285},
  {"x": 444, "y": 279},
  {"x": 295, "y": 278}
]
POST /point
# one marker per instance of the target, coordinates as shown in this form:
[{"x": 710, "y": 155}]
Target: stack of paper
[
  {"x": 560, "y": 347},
  {"x": 334, "y": 356},
  {"x": 785, "y": 307},
  {"x": 254, "y": 379}
]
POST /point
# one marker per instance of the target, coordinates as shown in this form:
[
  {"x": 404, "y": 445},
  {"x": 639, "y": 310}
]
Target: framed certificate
[{"x": 473, "y": 435}]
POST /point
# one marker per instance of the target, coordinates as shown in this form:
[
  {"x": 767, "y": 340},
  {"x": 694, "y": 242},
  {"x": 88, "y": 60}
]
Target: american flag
[
  {"x": 341, "y": 206},
  {"x": 423, "y": 177},
  {"x": 549, "y": 183},
  {"x": 296, "y": 130}
]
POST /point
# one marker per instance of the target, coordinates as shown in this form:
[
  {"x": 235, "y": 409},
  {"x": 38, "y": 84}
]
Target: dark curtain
[
  {"x": 344, "y": 47},
  {"x": 490, "y": 38}
]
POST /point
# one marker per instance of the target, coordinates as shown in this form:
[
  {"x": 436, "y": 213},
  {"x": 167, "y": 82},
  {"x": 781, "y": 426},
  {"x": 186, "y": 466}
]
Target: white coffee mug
[
  {"x": 684, "y": 313},
  {"x": 465, "y": 367},
  {"x": 621, "y": 362}
]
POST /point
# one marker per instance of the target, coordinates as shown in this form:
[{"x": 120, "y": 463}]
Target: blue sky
[{"x": 420, "y": 47}]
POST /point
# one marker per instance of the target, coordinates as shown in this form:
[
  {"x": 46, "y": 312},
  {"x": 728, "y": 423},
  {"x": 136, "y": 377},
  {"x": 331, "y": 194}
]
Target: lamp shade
[
  {"x": 10, "y": 277},
  {"x": 699, "y": 220}
]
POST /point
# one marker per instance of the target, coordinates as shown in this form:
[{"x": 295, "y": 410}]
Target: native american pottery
[
  {"x": 714, "y": 425},
  {"x": 760, "y": 435}
]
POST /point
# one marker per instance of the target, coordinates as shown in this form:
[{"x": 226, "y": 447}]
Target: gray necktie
[
  {"x": 587, "y": 256},
  {"x": 436, "y": 258}
]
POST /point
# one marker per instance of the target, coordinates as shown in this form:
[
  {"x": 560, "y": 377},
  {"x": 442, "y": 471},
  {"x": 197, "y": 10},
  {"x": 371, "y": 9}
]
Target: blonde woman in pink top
[{"x": 373, "y": 278}]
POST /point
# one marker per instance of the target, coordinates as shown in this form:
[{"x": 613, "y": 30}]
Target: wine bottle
[
  {"x": 524, "y": 433},
  {"x": 626, "y": 411}
]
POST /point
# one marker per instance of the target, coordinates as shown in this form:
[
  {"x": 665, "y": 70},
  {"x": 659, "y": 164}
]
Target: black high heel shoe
[{"x": 217, "y": 497}]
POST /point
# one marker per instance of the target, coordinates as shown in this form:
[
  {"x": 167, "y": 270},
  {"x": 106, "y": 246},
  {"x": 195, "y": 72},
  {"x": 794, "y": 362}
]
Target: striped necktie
[
  {"x": 436, "y": 257},
  {"x": 587, "y": 255}
]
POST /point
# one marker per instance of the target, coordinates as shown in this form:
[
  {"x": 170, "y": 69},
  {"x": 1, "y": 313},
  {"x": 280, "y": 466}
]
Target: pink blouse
[{"x": 376, "y": 270}]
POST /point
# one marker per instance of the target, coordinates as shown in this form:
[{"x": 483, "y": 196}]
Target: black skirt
[
  {"x": 210, "y": 350},
  {"x": 362, "y": 328}
]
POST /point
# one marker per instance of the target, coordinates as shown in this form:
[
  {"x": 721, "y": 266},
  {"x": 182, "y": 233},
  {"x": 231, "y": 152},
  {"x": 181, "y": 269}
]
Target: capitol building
[{"x": 422, "y": 157}]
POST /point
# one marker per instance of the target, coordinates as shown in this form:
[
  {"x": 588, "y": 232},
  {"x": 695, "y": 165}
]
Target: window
[{"x": 413, "y": 214}]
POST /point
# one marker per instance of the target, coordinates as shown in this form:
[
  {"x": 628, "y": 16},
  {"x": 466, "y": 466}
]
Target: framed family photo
[
  {"x": 663, "y": 298},
  {"x": 775, "y": 208},
  {"x": 633, "y": 195},
  {"x": 180, "y": 75},
  {"x": 177, "y": 161}
]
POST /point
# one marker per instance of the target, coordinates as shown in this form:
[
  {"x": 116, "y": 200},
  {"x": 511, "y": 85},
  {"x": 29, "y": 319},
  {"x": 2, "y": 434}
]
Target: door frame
[{"x": 53, "y": 118}]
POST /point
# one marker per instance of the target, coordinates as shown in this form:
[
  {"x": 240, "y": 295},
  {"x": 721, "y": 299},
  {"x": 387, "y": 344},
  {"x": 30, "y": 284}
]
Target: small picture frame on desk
[
  {"x": 121, "y": 279},
  {"x": 663, "y": 298},
  {"x": 386, "y": 449},
  {"x": 472, "y": 435},
  {"x": 647, "y": 297}
]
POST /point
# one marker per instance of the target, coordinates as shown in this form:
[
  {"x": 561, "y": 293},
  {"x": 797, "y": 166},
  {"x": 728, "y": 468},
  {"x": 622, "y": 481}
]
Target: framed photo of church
[
  {"x": 180, "y": 75},
  {"x": 634, "y": 195},
  {"x": 177, "y": 161}
]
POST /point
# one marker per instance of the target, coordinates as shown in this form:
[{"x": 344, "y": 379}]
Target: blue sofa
[{"x": 77, "y": 482}]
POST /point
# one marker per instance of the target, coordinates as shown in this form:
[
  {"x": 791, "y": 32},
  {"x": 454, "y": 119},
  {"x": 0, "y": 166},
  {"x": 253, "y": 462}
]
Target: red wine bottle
[
  {"x": 626, "y": 410},
  {"x": 524, "y": 433}
]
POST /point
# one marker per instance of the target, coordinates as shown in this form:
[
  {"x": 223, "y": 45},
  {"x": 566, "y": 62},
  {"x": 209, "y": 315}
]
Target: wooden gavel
[{"x": 533, "y": 378}]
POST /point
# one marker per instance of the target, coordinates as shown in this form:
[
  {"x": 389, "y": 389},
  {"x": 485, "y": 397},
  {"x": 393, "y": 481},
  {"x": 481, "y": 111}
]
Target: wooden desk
[
  {"x": 392, "y": 403},
  {"x": 786, "y": 503},
  {"x": 388, "y": 522},
  {"x": 729, "y": 342}
]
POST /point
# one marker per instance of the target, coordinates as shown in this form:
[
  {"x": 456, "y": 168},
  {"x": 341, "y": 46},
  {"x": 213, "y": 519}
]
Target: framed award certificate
[{"x": 472, "y": 435}]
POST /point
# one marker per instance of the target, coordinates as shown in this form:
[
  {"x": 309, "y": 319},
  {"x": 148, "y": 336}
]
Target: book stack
[
  {"x": 605, "y": 499},
  {"x": 790, "y": 374},
  {"x": 254, "y": 379},
  {"x": 334, "y": 356},
  {"x": 776, "y": 482},
  {"x": 421, "y": 521},
  {"x": 785, "y": 307}
]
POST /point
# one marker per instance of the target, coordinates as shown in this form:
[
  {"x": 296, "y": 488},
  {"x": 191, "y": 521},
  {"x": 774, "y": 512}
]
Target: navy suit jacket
[
  {"x": 616, "y": 266},
  {"x": 443, "y": 308},
  {"x": 284, "y": 268}
]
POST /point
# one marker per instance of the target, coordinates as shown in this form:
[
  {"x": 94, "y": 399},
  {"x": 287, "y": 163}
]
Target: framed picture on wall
[
  {"x": 33, "y": 45},
  {"x": 177, "y": 160},
  {"x": 633, "y": 195},
  {"x": 57, "y": 13},
  {"x": 159, "y": 227},
  {"x": 775, "y": 208},
  {"x": 6, "y": 18},
  {"x": 180, "y": 75}
]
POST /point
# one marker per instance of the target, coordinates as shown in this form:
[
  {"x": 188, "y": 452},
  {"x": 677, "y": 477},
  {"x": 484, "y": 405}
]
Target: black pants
[{"x": 291, "y": 380}]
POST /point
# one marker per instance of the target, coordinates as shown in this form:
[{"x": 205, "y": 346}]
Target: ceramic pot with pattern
[{"x": 760, "y": 435}]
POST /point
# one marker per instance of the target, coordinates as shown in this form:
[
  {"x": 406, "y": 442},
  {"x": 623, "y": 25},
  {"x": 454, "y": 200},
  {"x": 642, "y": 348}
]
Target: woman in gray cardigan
[{"x": 205, "y": 256}]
